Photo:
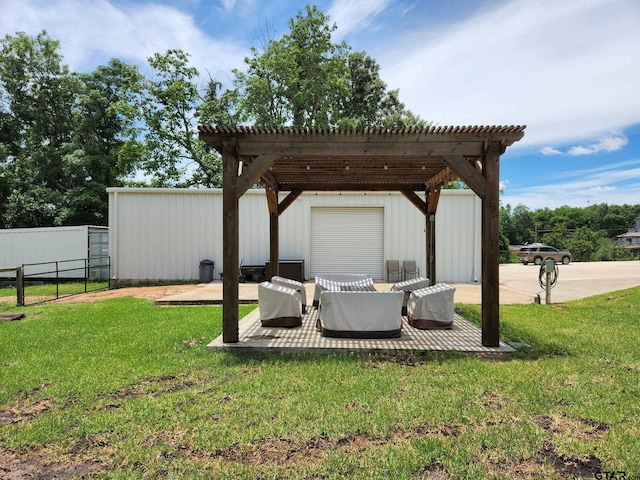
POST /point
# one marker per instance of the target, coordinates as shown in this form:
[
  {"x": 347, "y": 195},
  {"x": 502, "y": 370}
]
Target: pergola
[{"x": 412, "y": 161}]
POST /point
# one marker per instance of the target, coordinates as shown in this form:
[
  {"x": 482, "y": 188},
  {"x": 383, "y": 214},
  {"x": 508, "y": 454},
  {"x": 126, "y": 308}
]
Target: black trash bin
[{"x": 206, "y": 271}]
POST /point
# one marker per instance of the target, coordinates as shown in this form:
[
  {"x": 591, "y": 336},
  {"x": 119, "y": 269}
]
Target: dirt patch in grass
[
  {"x": 146, "y": 387},
  {"x": 570, "y": 467},
  {"x": 34, "y": 465},
  {"x": 27, "y": 408},
  {"x": 155, "y": 386},
  {"x": 148, "y": 293},
  {"x": 294, "y": 453},
  {"x": 583, "y": 429}
]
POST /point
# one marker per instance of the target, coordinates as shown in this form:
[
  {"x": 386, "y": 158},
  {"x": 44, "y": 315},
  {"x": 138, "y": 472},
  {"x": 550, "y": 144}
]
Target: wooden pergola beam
[
  {"x": 469, "y": 175},
  {"x": 274, "y": 231},
  {"x": 289, "y": 199},
  {"x": 252, "y": 173}
]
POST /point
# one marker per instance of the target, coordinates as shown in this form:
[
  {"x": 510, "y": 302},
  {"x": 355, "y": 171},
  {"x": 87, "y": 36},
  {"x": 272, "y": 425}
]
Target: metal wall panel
[
  {"x": 458, "y": 237},
  {"x": 165, "y": 233},
  {"x": 20, "y": 246}
]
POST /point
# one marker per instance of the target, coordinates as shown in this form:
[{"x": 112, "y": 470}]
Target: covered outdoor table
[
  {"x": 431, "y": 307},
  {"x": 339, "y": 282}
]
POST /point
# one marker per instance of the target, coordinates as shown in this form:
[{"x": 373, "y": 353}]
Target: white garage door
[{"x": 347, "y": 240}]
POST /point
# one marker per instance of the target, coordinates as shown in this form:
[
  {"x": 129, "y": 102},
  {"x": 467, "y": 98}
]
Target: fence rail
[{"x": 33, "y": 279}]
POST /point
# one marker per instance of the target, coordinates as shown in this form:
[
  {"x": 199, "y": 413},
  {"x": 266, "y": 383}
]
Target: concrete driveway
[{"x": 519, "y": 283}]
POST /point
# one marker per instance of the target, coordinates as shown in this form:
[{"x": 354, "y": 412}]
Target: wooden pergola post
[
  {"x": 432, "y": 198},
  {"x": 274, "y": 231},
  {"x": 230, "y": 243},
  {"x": 491, "y": 247}
]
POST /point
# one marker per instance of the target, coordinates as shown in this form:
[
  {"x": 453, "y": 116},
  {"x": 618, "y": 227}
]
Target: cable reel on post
[{"x": 548, "y": 277}]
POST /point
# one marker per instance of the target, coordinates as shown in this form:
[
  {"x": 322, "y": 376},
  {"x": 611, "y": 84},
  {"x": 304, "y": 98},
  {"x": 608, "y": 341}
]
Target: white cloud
[
  {"x": 610, "y": 144},
  {"x": 91, "y": 33},
  {"x": 616, "y": 184},
  {"x": 550, "y": 151},
  {"x": 564, "y": 69},
  {"x": 601, "y": 189},
  {"x": 354, "y": 15}
]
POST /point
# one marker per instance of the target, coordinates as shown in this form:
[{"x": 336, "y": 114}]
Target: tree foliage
[
  {"x": 588, "y": 233},
  {"x": 306, "y": 80},
  {"x": 169, "y": 107}
]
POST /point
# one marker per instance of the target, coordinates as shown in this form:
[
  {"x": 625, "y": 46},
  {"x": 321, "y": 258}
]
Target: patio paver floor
[{"x": 464, "y": 337}]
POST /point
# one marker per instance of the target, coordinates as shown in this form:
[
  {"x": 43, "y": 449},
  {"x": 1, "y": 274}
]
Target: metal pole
[{"x": 549, "y": 266}]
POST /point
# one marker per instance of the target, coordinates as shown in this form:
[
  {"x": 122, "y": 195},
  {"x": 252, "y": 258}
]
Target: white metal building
[
  {"x": 40, "y": 248},
  {"x": 163, "y": 234}
]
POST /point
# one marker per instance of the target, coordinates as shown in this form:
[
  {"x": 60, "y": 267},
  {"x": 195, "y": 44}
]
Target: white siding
[
  {"x": 20, "y": 246},
  {"x": 458, "y": 237},
  {"x": 31, "y": 245},
  {"x": 165, "y": 233}
]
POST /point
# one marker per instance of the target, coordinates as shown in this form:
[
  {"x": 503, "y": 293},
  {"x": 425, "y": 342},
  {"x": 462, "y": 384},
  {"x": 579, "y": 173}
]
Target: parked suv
[{"x": 538, "y": 253}]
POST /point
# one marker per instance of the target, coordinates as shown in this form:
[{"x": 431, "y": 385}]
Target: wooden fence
[{"x": 19, "y": 283}]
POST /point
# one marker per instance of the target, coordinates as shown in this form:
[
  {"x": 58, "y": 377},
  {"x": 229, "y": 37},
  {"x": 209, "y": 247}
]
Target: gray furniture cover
[
  {"x": 279, "y": 306},
  {"x": 409, "y": 286},
  {"x": 298, "y": 286},
  {"x": 341, "y": 282},
  {"x": 431, "y": 307},
  {"x": 360, "y": 314}
]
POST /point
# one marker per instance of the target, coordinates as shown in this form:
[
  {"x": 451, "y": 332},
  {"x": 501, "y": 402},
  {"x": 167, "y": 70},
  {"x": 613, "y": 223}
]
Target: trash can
[{"x": 206, "y": 271}]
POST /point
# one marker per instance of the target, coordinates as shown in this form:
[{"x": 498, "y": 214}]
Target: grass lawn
[
  {"x": 47, "y": 291},
  {"x": 126, "y": 389}
]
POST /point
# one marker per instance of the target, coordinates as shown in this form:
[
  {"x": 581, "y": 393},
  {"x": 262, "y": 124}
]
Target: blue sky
[{"x": 569, "y": 70}]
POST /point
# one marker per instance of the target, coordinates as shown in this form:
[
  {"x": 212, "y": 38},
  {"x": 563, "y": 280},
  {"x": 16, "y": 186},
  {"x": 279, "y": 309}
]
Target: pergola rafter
[{"x": 409, "y": 161}]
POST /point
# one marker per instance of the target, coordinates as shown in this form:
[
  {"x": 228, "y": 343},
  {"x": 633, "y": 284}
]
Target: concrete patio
[
  {"x": 464, "y": 337},
  {"x": 518, "y": 284}
]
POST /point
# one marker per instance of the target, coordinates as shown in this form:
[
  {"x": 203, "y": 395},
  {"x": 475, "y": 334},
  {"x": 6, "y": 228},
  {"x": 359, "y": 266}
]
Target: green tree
[
  {"x": 299, "y": 80},
  {"x": 171, "y": 153},
  {"x": 38, "y": 113},
  {"x": 105, "y": 120},
  {"x": 306, "y": 80},
  {"x": 62, "y": 134},
  {"x": 369, "y": 103}
]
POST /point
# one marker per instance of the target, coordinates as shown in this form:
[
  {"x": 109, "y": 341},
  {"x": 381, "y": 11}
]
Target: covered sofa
[{"x": 360, "y": 314}]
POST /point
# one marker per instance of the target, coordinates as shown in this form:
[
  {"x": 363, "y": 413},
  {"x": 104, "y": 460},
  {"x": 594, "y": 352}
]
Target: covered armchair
[
  {"x": 279, "y": 306},
  {"x": 298, "y": 286},
  {"x": 408, "y": 286},
  {"x": 432, "y": 307}
]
